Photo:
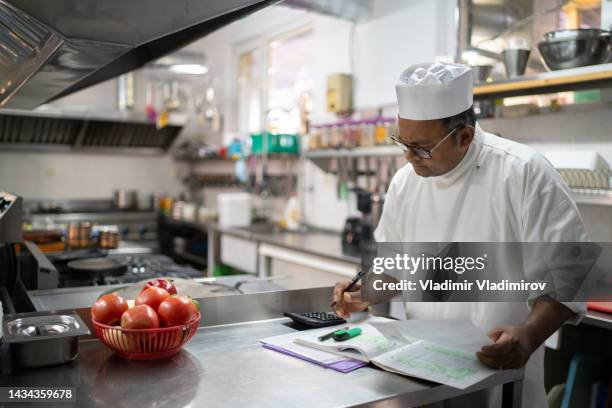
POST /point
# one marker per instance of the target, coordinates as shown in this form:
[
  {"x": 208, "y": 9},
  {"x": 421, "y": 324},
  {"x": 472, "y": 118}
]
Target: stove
[
  {"x": 138, "y": 268},
  {"x": 150, "y": 266}
]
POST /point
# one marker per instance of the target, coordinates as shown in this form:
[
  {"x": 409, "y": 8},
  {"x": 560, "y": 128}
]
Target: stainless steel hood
[
  {"x": 49, "y": 49},
  {"x": 352, "y": 10},
  {"x": 63, "y": 131}
]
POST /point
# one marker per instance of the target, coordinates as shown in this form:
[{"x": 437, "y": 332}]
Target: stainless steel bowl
[
  {"x": 575, "y": 34},
  {"x": 481, "y": 73},
  {"x": 575, "y": 48}
]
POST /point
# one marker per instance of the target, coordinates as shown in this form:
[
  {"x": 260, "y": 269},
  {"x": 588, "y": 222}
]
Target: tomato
[
  {"x": 140, "y": 317},
  {"x": 152, "y": 297},
  {"x": 177, "y": 310},
  {"x": 162, "y": 283},
  {"x": 108, "y": 309}
]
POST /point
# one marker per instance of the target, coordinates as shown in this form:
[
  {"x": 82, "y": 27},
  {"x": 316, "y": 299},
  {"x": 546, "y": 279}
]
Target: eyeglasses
[{"x": 416, "y": 149}]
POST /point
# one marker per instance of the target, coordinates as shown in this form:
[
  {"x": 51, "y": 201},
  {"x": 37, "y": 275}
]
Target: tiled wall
[{"x": 78, "y": 176}]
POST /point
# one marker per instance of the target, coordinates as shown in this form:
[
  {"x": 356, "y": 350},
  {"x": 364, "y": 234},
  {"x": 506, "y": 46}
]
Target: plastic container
[
  {"x": 293, "y": 213},
  {"x": 146, "y": 344},
  {"x": 277, "y": 143},
  {"x": 234, "y": 209}
]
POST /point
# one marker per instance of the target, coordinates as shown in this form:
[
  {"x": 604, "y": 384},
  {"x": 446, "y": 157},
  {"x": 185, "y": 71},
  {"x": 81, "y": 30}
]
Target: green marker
[{"x": 344, "y": 334}]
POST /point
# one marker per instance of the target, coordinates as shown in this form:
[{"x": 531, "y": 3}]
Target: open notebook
[{"x": 436, "y": 350}]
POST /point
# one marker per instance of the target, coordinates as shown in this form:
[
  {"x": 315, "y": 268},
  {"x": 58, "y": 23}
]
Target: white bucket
[{"x": 234, "y": 209}]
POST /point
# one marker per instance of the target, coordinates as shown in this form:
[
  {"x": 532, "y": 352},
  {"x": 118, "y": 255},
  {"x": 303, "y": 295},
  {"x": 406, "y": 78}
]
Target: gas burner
[{"x": 138, "y": 268}]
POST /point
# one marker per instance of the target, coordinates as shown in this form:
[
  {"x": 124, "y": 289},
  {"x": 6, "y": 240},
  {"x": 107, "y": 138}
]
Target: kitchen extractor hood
[
  {"x": 64, "y": 131},
  {"x": 49, "y": 49},
  {"x": 352, "y": 10}
]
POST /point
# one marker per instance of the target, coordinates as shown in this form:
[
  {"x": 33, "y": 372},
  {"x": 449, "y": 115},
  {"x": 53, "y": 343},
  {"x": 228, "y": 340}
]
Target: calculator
[{"x": 315, "y": 319}]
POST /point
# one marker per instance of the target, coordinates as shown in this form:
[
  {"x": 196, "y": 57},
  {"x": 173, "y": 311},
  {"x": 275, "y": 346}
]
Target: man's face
[{"x": 427, "y": 134}]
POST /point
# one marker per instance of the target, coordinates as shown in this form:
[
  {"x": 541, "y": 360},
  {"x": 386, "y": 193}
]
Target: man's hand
[
  {"x": 515, "y": 344},
  {"x": 512, "y": 348},
  {"x": 348, "y": 303}
]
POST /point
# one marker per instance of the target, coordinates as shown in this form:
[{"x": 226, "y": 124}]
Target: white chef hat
[{"x": 434, "y": 90}]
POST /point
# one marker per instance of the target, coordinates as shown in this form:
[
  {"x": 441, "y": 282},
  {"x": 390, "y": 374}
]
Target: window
[
  {"x": 249, "y": 92},
  {"x": 280, "y": 93}
]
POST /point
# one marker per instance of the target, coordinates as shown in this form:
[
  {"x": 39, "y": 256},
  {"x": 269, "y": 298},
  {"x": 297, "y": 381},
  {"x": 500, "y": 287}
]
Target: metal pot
[
  {"x": 125, "y": 199},
  {"x": 575, "y": 48},
  {"x": 38, "y": 341}
]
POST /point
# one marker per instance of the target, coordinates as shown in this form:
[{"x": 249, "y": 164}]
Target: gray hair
[{"x": 460, "y": 120}]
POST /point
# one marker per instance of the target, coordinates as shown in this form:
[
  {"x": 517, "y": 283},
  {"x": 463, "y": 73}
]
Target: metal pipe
[{"x": 463, "y": 25}]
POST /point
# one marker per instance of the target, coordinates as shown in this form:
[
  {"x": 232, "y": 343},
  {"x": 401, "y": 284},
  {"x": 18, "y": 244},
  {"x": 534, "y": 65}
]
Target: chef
[{"x": 463, "y": 184}]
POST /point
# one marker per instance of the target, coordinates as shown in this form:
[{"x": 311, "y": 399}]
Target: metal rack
[
  {"x": 590, "y": 187},
  {"x": 593, "y": 76},
  {"x": 376, "y": 151}
]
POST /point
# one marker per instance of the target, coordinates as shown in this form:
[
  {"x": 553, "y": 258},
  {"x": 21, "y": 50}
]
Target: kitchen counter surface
[
  {"x": 226, "y": 366},
  {"x": 85, "y": 296}
]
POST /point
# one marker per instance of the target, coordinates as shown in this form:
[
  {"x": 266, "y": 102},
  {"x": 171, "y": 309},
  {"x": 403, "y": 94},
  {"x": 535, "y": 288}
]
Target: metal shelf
[
  {"x": 217, "y": 159},
  {"x": 597, "y": 318},
  {"x": 594, "y": 76},
  {"x": 356, "y": 152},
  {"x": 595, "y": 198}
]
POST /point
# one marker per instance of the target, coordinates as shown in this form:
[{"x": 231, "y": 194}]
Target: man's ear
[{"x": 466, "y": 135}]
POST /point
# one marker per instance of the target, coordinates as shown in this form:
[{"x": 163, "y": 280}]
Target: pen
[
  {"x": 350, "y": 286},
  {"x": 330, "y": 335}
]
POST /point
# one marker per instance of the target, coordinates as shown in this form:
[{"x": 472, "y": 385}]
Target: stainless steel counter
[
  {"x": 225, "y": 366},
  {"x": 85, "y": 296},
  {"x": 313, "y": 242},
  {"x": 310, "y": 247}
]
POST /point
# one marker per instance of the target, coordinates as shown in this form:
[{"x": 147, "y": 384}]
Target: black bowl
[
  {"x": 576, "y": 34},
  {"x": 577, "y": 52}
]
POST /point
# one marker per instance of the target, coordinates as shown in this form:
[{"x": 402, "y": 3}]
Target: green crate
[
  {"x": 277, "y": 143},
  {"x": 224, "y": 270}
]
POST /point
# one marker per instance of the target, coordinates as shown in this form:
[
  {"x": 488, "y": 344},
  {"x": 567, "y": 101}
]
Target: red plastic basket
[{"x": 146, "y": 344}]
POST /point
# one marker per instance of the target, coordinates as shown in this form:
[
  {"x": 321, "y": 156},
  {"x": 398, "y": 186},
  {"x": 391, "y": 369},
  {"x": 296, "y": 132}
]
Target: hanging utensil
[{"x": 150, "y": 102}]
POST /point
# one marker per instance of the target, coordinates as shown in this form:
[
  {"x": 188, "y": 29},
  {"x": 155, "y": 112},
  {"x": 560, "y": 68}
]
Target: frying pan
[{"x": 95, "y": 267}]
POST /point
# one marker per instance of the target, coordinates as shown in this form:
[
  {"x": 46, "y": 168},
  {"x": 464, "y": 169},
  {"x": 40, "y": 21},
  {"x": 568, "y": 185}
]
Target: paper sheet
[
  {"x": 368, "y": 345},
  {"x": 434, "y": 362},
  {"x": 457, "y": 333},
  {"x": 285, "y": 341}
]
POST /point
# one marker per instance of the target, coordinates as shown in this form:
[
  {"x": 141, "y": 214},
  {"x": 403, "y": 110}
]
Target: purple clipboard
[{"x": 344, "y": 366}]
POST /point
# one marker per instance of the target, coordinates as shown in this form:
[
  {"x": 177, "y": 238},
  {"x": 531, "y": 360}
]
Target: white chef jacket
[{"x": 501, "y": 191}]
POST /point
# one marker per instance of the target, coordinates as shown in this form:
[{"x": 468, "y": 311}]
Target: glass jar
[
  {"x": 324, "y": 137},
  {"x": 347, "y": 136},
  {"x": 359, "y": 133},
  {"x": 336, "y": 139},
  {"x": 367, "y": 136},
  {"x": 380, "y": 133},
  {"x": 314, "y": 141}
]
